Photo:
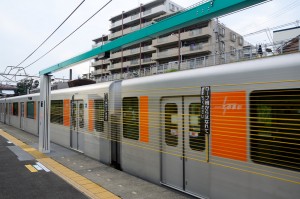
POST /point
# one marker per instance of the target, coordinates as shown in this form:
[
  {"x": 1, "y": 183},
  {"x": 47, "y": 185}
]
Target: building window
[
  {"x": 223, "y": 46},
  {"x": 274, "y": 128},
  {"x": 131, "y": 118},
  {"x": 222, "y": 31},
  {"x": 171, "y": 124},
  {"x": 241, "y": 41},
  {"x": 15, "y": 108},
  {"x": 99, "y": 115},
  {"x": 233, "y": 37},
  {"x": 232, "y": 50},
  {"x": 57, "y": 112},
  {"x": 30, "y": 110}
]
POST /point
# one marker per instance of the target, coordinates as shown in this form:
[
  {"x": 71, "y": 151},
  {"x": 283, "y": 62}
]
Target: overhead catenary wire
[
  {"x": 51, "y": 34},
  {"x": 273, "y": 16},
  {"x": 69, "y": 35}
]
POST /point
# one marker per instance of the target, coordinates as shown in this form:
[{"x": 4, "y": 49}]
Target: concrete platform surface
[{"x": 121, "y": 184}]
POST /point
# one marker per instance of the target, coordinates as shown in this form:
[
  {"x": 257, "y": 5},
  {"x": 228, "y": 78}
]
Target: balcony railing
[
  {"x": 195, "y": 32},
  {"x": 134, "y": 50},
  {"x": 146, "y": 12},
  {"x": 147, "y": 48},
  {"x": 146, "y": 60},
  {"x": 135, "y": 16},
  {"x": 134, "y": 62}
]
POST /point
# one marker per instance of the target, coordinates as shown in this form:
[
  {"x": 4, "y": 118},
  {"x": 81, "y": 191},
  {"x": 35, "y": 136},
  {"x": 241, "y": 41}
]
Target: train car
[
  {"x": 227, "y": 131},
  {"x": 76, "y": 119},
  {"x": 252, "y": 148}
]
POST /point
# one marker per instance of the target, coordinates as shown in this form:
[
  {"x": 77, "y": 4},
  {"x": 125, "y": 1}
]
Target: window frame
[
  {"x": 28, "y": 113},
  {"x": 272, "y": 128},
  {"x": 59, "y": 115},
  {"x": 99, "y": 115},
  {"x": 15, "y": 108},
  {"x": 131, "y": 126}
]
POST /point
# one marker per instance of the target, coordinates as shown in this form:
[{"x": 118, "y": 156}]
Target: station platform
[{"x": 70, "y": 175}]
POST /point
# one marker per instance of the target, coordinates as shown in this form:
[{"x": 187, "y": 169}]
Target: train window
[
  {"x": 57, "y": 111},
  {"x": 30, "y": 110},
  {"x": 131, "y": 118},
  {"x": 99, "y": 115},
  {"x": 275, "y": 130},
  {"x": 15, "y": 108},
  {"x": 171, "y": 124},
  {"x": 197, "y": 139}
]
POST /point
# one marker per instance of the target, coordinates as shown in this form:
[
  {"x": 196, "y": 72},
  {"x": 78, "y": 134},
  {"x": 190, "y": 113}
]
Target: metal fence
[{"x": 247, "y": 53}]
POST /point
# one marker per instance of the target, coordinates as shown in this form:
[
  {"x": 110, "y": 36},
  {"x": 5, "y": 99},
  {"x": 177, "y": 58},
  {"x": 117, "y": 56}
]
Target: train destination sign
[
  {"x": 105, "y": 106},
  {"x": 205, "y": 99}
]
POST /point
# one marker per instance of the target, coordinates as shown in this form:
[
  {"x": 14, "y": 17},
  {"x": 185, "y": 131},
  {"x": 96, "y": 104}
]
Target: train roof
[{"x": 221, "y": 74}]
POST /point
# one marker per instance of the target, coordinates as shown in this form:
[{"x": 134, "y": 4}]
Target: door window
[
  {"x": 196, "y": 138},
  {"x": 171, "y": 124},
  {"x": 81, "y": 115}
]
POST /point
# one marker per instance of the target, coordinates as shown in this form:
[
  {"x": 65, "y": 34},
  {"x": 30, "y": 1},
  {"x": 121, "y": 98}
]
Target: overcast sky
[{"x": 24, "y": 24}]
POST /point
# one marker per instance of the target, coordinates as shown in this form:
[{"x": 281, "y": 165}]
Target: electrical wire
[
  {"x": 68, "y": 35},
  {"x": 51, "y": 33}
]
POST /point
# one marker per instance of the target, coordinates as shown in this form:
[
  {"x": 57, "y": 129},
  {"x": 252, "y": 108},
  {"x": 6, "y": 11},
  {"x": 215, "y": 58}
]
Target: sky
[{"x": 25, "y": 24}]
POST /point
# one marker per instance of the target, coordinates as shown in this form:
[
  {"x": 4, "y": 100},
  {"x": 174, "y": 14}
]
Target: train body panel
[{"x": 150, "y": 127}]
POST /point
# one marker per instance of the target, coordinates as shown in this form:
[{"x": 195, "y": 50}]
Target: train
[{"x": 229, "y": 131}]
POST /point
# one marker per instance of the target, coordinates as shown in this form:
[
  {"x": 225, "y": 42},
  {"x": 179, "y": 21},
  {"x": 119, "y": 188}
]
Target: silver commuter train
[{"x": 151, "y": 127}]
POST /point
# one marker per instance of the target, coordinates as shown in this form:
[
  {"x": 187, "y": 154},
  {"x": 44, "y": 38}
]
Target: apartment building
[{"x": 181, "y": 49}]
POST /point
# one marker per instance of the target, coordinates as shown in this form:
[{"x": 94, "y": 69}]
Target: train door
[
  {"x": 77, "y": 126},
  {"x": 22, "y": 116},
  {"x": 184, "y": 147}
]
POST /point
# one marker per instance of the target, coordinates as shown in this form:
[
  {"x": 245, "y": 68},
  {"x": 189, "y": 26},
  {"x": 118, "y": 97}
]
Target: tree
[{"x": 23, "y": 86}]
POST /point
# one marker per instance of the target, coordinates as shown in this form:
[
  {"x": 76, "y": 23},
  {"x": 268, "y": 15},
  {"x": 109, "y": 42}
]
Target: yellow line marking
[
  {"x": 79, "y": 182},
  {"x": 29, "y": 149},
  {"x": 31, "y": 168}
]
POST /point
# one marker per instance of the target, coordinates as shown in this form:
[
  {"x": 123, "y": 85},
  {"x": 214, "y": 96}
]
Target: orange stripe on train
[
  {"x": 229, "y": 111},
  {"x": 67, "y": 112},
  {"x": 91, "y": 115},
  {"x": 144, "y": 119}
]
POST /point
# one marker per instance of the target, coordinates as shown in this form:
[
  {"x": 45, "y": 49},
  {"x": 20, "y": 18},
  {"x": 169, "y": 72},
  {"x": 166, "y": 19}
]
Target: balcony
[
  {"x": 165, "y": 54},
  {"x": 100, "y": 72},
  {"x": 148, "y": 60},
  {"x": 115, "y": 55},
  {"x": 197, "y": 48},
  {"x": 148, "y": 48},
  {"x": 99, "y": 44},
  {"x": 165, "y": 40},
  {"x": 100, "y": 62},
  {"x": 196, "y": 33},
  {"x": 161, "y": 9},
  {"x": 125, "y": 31}
]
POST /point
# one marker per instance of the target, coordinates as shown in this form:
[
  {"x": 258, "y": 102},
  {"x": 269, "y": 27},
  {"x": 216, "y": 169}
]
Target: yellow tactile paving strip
[{"x": 81, "y": 183}]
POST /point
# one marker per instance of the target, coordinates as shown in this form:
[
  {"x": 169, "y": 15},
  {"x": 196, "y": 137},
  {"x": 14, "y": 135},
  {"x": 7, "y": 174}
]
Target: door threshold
[
  {"x": 76, "y": 150},
  {"x": 183, "y": 191}
]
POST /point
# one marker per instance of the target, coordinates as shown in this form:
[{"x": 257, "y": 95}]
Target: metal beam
[{"x": 205, "y": 10}]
